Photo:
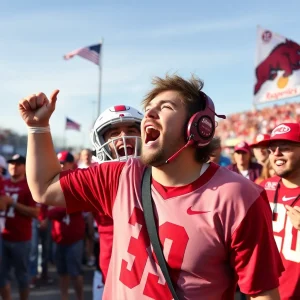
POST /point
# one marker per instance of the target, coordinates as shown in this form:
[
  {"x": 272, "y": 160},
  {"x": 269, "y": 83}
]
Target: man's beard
[
  {"x": 291, "y": 172},
  {"x": 161, "y": 154},
  {"x": 284, "y": 174},
  {"x": 155, "y": 160}
]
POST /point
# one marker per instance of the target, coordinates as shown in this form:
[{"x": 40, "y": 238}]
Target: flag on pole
[
  {"x": 91, "y": 53},
  {"x": 277, "y": 67},
  {"x": 72, "y": 125}
]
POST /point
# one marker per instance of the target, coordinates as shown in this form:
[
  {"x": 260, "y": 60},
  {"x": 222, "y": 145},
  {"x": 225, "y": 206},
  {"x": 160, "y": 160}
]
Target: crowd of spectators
[{"x": 245, "y": 126}]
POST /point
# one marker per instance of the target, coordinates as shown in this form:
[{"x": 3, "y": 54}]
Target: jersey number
[
  {"x": 289, "y": 245},
  {"x": 66, "y": 219},
  {"x": 132, "y": 276},
  {"x": 11, "y": 209}
]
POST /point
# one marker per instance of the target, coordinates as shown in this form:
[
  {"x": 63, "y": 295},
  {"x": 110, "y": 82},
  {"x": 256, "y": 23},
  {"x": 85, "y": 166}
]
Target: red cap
[
  {"x": 65, "y": 156},
  {"x": 242, "y": 146},
  {"x": 260, "y": 139},
  {"x": 285, "y": 132}
]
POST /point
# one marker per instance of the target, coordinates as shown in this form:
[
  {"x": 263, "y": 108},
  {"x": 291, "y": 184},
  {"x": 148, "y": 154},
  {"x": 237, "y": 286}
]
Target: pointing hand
[{"x": 37, "y": 109}]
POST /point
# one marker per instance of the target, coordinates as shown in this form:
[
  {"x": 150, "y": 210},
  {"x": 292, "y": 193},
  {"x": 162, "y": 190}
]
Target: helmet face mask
[
  {"x": 131, "y": 147},
  {"x": 121, "y": 147}
]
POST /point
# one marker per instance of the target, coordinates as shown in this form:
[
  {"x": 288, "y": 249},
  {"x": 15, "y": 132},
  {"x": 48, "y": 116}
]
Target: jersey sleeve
[
  {"x": 93, "y": 188},
  {"x": 254, "y": 254}
]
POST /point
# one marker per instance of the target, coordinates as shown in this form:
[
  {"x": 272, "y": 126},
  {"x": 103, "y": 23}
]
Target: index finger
[{"x": 54, "y": 94}]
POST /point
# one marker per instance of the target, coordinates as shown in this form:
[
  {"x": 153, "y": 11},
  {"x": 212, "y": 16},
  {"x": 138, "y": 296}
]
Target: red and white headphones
[{"x": 201, "y": 126}]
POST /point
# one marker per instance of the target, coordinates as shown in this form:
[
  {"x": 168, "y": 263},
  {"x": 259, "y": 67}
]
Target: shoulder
[
  {"x": 107, "y": 166},
  {"x": 233, "y": 185},
  {"x": 134, "y": 167},
  {"x": 227, "y": 176},
  {"x": 132, "y": 163}
]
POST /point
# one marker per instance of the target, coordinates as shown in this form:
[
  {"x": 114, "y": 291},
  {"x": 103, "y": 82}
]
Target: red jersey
[
  {"x": 66, "y": 228},
  {"x": 2, "y": 213},
  {"x": 286, "y": 236},
  {"x": 17, "y": 226},
  {"x": 2, "y": 192},
  {"x": 105, "y": 230},
  {"x": 43, "y": 212},
  {"x": 206, "y": 228}
]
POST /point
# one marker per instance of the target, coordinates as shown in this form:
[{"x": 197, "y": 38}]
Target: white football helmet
[{"x": 115, "y": 115}]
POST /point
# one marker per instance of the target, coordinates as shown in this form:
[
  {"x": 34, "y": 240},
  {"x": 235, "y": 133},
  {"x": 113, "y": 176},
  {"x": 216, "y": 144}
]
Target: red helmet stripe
[{"x": 120, "y": 108}]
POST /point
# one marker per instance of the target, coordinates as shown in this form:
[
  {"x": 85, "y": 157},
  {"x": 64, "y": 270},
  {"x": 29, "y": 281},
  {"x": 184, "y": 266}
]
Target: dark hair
[{"x": 190, "y": 97}]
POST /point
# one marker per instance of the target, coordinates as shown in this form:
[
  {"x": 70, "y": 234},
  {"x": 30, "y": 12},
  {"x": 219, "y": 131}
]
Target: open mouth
[
  {"x": 152, "y": 134},
  {"x": 280, "y": 162},
  {"x": 123, "y": 151}
]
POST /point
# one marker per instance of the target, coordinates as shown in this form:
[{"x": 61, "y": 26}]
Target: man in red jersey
[
  {"x": 2, "y": 197},
  {"x": 115, "y": 137},
  {"x": 284, "y": 195},
  {"x": 204, "y": 212},
  {"x": 17, "y": 231},
  {"x": 68, "y": 233},
  {"x": 3, "y": 206}
]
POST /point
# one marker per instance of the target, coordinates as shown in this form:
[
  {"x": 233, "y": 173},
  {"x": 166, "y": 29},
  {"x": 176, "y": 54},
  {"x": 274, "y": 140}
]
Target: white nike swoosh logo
[{"x": 284, "y": 198}]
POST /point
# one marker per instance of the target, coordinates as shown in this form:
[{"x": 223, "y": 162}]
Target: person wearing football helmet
[
  {"x": 115, "y": 136},
  {"x": 116, "y": 133}
]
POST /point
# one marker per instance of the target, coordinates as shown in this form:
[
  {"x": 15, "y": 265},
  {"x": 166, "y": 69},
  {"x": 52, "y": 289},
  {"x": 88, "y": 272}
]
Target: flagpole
[
  {"x": 64, "y": 135},
  {"x": 100, "y": 78}
]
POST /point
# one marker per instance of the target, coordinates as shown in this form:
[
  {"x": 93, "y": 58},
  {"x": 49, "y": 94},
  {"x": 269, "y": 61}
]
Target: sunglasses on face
[{"x": 284, "y": 149}]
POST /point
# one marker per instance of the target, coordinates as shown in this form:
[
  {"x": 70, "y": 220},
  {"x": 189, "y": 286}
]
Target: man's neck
[
  {"x": 183, "y": 170},
  {"x": 292, "y": 182},
  {"x": 242, "y": 167},
  {"x": 16, "y": 179}
]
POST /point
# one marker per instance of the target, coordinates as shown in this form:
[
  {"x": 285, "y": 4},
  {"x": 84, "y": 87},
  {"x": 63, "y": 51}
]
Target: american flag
[
  {"x": 72, "y": 125},
  {"x": 91, "y": 53}
]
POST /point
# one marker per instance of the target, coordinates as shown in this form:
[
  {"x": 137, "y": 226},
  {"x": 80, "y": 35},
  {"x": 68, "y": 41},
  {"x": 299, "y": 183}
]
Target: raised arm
[{"x": 42, "y": 165}]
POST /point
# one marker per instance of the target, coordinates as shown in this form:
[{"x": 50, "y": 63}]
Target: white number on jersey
[
  {"x": 66, "y": 219},
  {"x": 11, "y": 210},
  {"x": 289, "y": 245}
]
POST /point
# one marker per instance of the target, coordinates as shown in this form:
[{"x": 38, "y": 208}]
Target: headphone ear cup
[
  {"x": 201, "y": 129},
  {"x": 201, "y": 126}
]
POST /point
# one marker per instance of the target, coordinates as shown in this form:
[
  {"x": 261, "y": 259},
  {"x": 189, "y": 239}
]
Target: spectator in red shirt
[
  {"x": 3, "y": 206},
  {"x": 16, "y": 234},
  {"x": 2, "y": 197},
  {"x": 41, "y": 229},
  {"x": 283, "y": 192},
  {"x": 68, "y": 233}
]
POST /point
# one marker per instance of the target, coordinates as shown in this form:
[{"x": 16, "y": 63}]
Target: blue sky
[{"x": 214, "y": 39}]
